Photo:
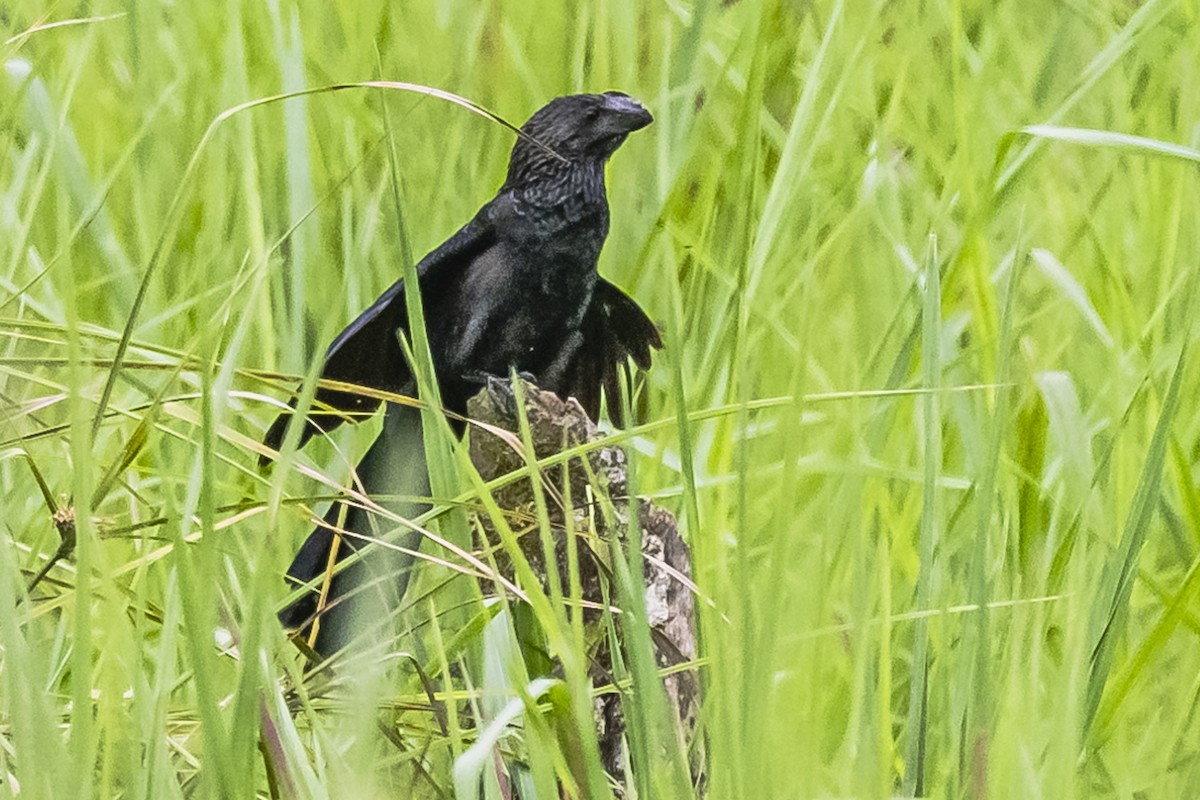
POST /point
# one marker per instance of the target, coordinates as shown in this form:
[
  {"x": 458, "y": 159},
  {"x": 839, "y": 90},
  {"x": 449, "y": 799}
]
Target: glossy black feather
[
  {"x": 367, "y": 352},
  {"x": 615, "y": 329}
]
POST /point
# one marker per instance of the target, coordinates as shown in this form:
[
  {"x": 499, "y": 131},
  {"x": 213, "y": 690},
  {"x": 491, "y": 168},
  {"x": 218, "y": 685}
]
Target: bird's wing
[
  {"x": 367, "y": 352},
  {"x": 615, "y": 329}
]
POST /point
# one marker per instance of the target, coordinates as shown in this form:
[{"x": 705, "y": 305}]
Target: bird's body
[{"x": 515, "y": 288}]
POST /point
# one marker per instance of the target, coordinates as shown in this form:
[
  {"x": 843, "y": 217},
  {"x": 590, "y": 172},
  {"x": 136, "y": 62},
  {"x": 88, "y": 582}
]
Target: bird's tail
[{"x": 359, "y": 599}]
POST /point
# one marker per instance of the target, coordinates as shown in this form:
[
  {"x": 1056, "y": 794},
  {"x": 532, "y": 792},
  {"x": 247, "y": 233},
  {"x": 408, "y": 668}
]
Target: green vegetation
[{"x": 926, "y": 408}]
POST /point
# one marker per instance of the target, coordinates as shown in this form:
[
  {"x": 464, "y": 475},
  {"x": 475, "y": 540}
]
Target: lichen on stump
[{"x": 599, "y": 511}]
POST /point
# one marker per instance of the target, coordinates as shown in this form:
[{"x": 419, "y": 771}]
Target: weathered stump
[{"x": 596, "y": 498}]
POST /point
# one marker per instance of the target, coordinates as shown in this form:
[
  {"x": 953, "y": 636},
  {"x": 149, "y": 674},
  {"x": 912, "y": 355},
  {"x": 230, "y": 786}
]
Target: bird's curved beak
[{"x": 626, "y": 113}]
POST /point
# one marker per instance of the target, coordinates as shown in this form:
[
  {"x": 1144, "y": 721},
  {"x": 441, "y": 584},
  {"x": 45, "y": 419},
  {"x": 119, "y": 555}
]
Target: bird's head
[{"x": 578, "y": 127}]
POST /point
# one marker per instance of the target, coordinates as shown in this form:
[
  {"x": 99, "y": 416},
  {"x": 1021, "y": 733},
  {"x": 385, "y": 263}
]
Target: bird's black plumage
[{"x": 516, "y": 287}]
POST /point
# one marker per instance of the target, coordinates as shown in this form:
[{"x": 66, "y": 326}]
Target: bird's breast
[
  {"x": 512, "y": 307},
  {"x": 523, "y": 300}
]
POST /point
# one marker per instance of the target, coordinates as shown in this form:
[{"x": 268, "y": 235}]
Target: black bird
[{"x": 515, "y": 288}]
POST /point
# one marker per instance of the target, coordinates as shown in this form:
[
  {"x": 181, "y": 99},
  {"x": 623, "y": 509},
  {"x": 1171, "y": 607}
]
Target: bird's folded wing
[
  {"x": 614, "y": 329},
  {"x": 367, "y": 353}
]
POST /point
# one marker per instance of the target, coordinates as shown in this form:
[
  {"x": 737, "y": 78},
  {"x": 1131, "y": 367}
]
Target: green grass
[{"x": 926, "y": 274}]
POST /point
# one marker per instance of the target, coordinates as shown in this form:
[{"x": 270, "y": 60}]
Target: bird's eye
[{"x": 592, "y": 114}]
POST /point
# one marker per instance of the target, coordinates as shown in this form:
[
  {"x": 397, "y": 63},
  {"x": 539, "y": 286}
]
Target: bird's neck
[{"x": 568, "y": 193}]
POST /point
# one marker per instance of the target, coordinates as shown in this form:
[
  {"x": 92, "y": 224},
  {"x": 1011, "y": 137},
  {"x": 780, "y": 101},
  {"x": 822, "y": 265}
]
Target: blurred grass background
[{"x": 925, "y": 407}]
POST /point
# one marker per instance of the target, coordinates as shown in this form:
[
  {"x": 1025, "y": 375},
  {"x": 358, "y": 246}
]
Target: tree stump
[{"x": 599, "y": 508}]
